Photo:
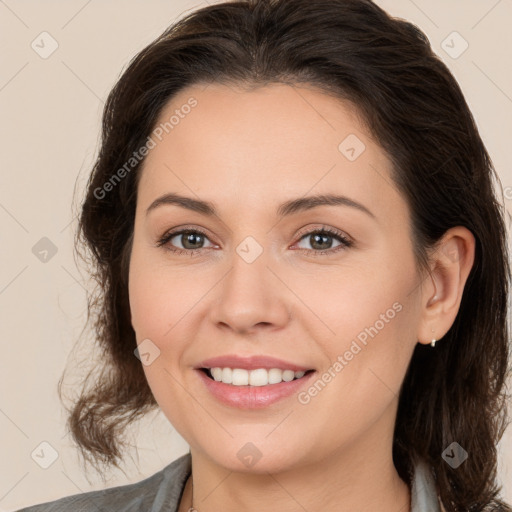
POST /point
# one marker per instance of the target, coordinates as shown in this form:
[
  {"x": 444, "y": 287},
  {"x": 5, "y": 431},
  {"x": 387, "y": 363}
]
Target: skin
[{"x": 247, "y": 152}]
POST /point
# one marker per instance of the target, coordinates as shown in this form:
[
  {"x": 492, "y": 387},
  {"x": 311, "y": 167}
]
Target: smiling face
[{"x": 255, "y": 276}]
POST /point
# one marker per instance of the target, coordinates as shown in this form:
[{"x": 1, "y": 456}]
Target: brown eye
[
  {"x": 321, "y": 241},
  {"x": 184, "y": 241},
  {"x": 190, "y": 240}
]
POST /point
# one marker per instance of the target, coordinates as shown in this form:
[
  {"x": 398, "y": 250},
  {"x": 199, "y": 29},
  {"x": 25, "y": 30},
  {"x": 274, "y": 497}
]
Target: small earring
[{"x": 433, "y": 343}]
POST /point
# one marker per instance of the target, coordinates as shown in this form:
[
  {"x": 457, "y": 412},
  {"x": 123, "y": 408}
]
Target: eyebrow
[{"x": 287, "y": 208}]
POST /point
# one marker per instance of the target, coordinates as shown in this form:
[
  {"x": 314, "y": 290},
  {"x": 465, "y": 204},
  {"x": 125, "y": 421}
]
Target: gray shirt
[{"x": 162, "y": 492}]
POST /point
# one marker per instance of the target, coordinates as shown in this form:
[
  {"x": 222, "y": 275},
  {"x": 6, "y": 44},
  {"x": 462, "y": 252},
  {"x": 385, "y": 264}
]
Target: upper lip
[{"x": 251, "y": 363}]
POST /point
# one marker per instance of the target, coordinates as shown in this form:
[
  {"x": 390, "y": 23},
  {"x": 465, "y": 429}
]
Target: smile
[
  {"x": 266, "y": 391},
  {"x": 257, "y": 377}
]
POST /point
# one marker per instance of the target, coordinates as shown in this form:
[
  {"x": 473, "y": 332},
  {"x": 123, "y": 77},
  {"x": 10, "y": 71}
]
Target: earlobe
[{"x": 451, "y": 264}]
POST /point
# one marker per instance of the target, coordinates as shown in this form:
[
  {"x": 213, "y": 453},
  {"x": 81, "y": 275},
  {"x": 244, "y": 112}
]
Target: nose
[{"x": 251, "y": 297}]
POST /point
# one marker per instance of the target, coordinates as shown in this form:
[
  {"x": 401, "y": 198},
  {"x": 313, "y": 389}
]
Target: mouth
[
  {"x": 253, "y": 378},
  {"x": 254, "y": 388},
  {"x": 252, "y": 381}
]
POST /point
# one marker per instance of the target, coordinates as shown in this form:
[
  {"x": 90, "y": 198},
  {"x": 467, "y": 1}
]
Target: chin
[{"x": 259, "y": 456}]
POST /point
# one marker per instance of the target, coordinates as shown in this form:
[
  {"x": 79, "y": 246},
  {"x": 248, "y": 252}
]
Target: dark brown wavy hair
[{"x": 415, "y": 109}]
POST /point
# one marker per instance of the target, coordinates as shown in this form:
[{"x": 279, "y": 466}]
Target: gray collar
[{"x": 423, "y": 493}]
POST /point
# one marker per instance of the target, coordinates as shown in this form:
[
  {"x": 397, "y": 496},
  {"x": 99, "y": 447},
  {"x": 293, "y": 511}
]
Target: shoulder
[{"x": 159, "y": 493}]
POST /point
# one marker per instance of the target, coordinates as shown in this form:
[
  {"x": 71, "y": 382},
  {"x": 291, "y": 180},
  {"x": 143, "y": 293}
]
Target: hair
[{"x": 412, "y": 105}]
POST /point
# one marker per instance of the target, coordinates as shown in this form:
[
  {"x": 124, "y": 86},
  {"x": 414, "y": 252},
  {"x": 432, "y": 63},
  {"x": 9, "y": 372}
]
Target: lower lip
[{"x": 252, "y": 397}]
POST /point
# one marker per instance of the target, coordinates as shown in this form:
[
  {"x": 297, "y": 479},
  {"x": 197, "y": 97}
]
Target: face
[{"x": 270, "y": 281}]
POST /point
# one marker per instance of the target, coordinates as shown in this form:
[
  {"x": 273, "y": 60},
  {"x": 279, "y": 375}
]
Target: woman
[{"x": 303, "y": 263}]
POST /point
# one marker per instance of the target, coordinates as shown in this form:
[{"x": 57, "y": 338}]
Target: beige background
[{"x": 51, "y": 112}]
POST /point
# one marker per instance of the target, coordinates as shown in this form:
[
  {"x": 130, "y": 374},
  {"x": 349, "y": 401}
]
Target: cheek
[
  {"x": 156, "y": 307},
  {"x": 366, "y": 359},
  {"x": 156, "y": 301},
  {"x": 164, "y": 304},
  {"x": 146, "y": 304},
  {"x": 369, "y": 322},
  {"x": 355, "y": 303}
]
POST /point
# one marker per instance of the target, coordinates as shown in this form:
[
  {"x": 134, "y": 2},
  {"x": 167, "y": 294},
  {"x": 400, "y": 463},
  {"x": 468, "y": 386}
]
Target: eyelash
[{"x": 345, "y": 242}]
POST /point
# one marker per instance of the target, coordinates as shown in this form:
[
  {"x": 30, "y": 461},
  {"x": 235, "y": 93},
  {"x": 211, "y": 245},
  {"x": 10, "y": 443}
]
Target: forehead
[{"x": 274, "y": 141}]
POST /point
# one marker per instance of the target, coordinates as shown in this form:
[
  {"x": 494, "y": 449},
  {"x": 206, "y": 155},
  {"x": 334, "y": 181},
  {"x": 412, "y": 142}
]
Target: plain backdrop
[{"x": 59, "y": 61}]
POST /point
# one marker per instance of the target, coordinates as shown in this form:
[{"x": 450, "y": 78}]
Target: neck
[{"x": 347, "y": 480}]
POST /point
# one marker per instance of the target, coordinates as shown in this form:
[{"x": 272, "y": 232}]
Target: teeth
[
  {"x": 258, "y": 377},
  {"x": 227, "y": 375},
  {"x": 275, "y": 376},
  {"x": 240, "y": 377}
]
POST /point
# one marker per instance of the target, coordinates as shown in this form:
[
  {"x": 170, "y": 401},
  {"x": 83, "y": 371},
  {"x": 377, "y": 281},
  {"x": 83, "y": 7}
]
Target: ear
[{"x": 451, "y": 263}]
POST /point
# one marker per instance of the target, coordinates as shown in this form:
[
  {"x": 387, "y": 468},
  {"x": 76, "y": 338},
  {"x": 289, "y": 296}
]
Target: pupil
[
  {"x": 323, "y": 239},
  {"x": 189, "y": 238}
]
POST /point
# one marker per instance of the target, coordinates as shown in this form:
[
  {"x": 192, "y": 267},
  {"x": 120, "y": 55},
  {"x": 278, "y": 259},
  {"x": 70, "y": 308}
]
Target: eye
[
  {"x": 321, "y": 241},
  {"x": 191, "y": 240}
]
